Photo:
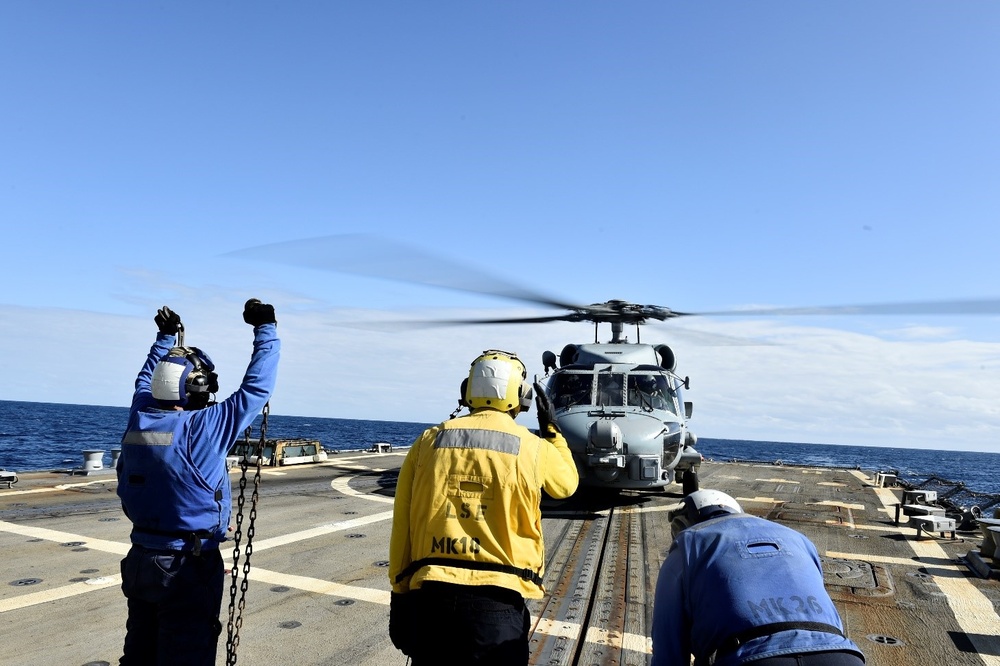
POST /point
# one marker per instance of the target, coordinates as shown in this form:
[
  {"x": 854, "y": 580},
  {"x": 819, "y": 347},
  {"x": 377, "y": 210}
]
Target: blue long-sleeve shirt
[
  {"x": 734, "y": 572},
  {"x": 176, "y": 479}
]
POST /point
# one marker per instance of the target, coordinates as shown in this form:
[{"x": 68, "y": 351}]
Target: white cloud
[
  {"x": 825, "y": 385},
  {"x": 806, "y": 384}
]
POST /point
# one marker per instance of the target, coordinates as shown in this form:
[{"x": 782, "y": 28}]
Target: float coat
[
  {"x": 732, "y": 573},
  {"x": 469, "y": 491},
  {"x": 172, "y": 475}
]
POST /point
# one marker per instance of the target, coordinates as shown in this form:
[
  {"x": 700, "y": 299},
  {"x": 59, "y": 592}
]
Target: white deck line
[
  {"x": 57, "y": 593},
  {"x": 972, "y": 609},
  {"x": 627, "y": 641}
]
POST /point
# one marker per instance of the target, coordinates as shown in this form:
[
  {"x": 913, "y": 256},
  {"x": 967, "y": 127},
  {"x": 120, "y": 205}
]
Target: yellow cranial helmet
[{"x": 496, "y": 381}]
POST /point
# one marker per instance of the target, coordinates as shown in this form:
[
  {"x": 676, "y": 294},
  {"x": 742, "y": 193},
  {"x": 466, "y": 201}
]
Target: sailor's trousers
[{"x": 174, "y": 599}]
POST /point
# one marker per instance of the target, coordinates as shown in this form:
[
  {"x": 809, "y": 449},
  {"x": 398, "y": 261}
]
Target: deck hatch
[
  {"x": 847, "y": 579},
  {"x": 808, "y": 513},
  {"x": 848, "y": 573}
]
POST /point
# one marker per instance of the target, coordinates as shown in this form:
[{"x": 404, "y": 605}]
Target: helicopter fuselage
[{"x": 620, "y": 407}]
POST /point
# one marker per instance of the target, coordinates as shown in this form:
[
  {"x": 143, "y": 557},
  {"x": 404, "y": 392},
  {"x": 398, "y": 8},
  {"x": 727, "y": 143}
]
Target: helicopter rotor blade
[
  {"x": 396, "y": 324},
  {"x": 373, "y": 256},
  {"x": 509, "y": 320},
  {"x": 953, "y": 307}
]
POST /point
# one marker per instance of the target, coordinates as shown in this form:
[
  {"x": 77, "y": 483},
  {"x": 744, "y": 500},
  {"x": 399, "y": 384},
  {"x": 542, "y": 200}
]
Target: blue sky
[{"x": 699, "y": 156}]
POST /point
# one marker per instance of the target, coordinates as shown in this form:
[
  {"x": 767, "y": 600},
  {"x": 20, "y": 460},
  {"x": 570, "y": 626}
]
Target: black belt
[
  {"x": 524, "y": 574},
  {"x": 734, "y": 641},
  {"x": 191, "y": 537}
]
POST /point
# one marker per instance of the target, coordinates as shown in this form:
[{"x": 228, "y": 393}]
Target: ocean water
[
  {"x": 42, "y": 436},
  {"x": 46, "y": 436}
]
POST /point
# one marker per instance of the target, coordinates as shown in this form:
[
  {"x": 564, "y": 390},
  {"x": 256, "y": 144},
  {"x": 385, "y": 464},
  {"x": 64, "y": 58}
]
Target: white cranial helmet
[{"x": 699, "y": 506}]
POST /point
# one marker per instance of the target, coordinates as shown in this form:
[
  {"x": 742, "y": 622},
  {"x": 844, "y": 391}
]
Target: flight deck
[{"x": 318, "y": 591}]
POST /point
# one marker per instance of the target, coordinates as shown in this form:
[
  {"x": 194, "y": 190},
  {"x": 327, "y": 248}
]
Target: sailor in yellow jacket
[{"x": 466, "y": 547}]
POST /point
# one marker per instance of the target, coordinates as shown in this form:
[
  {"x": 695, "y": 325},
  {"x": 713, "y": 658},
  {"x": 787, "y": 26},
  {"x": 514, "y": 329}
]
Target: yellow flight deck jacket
[{"x": 469, "y": 491}]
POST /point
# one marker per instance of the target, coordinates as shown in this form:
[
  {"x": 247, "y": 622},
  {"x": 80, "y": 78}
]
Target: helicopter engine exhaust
[{"x": 667, "y": 359}]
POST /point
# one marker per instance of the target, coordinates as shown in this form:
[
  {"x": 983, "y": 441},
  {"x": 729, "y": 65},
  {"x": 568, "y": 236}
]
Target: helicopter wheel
[{"x": 689, "y": 483}]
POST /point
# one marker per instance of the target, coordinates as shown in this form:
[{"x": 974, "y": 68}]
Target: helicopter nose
[{"x": 605, "y": 435}]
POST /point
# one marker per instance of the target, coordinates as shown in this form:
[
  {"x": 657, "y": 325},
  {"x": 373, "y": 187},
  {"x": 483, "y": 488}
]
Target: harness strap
[
  {"x": 524, "y": 574},
  {"x": 734, "y": 641}
]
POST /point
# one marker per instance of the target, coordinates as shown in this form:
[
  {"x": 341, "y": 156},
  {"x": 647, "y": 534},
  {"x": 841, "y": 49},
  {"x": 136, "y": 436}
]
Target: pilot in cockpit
[
  {"x": 574, "y": 389},
  {"x": 646, "y": 391}
]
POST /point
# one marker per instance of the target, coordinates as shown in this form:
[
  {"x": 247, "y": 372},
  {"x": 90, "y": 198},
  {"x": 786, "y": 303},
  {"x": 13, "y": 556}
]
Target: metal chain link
[{"x": 236, "y": 608}]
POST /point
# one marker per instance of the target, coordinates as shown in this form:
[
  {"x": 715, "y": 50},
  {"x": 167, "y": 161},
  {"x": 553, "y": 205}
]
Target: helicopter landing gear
[{"x": 689, "y": 483}]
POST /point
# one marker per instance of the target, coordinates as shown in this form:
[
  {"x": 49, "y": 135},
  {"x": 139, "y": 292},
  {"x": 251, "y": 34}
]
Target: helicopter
[{"x": 619, "y": 404}]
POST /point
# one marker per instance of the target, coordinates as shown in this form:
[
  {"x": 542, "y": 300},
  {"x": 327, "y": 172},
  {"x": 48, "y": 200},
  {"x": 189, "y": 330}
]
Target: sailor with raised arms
[{"x": 174, "y": 486}]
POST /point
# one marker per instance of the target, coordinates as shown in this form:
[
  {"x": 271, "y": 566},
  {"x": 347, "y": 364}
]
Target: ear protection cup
[
  {"x": 461, "y": 398},
  {"x": 202, "y": 378}
]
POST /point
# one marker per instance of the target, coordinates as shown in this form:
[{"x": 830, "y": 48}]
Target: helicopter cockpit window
[
  {"x": 571, "y": 388},
  {"x": 610, "y": 391},
  {"x": 651, "y": 392}
]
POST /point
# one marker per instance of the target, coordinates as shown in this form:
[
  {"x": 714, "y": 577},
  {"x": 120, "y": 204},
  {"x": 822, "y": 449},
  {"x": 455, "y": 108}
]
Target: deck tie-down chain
[{"x": 236, "y": 608}]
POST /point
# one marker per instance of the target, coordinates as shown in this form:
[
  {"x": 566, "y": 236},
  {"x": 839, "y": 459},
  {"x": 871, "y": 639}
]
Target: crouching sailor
[
  {"x": 466, "y": 546},
  {"x": 738, "y": 589},
  {"x": 174, "y": 486}
]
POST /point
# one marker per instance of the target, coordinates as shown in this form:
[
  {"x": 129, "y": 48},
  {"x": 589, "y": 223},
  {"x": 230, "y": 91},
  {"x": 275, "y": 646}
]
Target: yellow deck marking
[{"x": 779, "y": 481}]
